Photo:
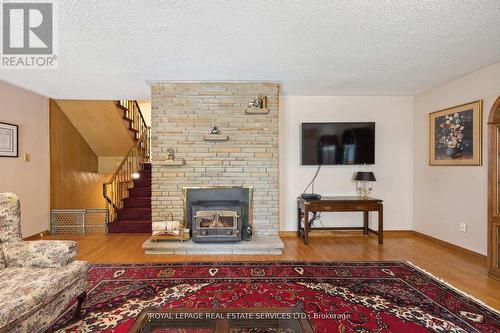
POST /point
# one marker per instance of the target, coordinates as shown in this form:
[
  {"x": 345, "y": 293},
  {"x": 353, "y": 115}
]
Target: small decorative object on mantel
[
  {"x": 215, "y": 135},
  {"x": 171, "y": 154},
  {"x": 259, "y": 102},
  {"x": 214, "y": 130},
  {"x": 363, "y": 183},
  {"x": 455, "y": 135},
  {"x": 9, "y": 140},
  {"x": 258, "y": 105}
]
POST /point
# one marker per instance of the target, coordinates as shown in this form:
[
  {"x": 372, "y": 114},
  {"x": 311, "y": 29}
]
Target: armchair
[{"x": 38, "y": 279}]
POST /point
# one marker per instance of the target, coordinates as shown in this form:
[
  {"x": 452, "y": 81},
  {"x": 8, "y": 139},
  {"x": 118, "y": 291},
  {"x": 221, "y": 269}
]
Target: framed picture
[
  {"x": 9, "y": 136},
  {"x": 455, "y": 135}
]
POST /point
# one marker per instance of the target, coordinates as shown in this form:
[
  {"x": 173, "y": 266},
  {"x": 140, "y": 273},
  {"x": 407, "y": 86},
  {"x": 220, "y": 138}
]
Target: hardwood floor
[{"x": 464, "y": 272}]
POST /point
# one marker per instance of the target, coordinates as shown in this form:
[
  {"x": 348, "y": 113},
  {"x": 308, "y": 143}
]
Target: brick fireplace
[{"x": 244, "y": 155}]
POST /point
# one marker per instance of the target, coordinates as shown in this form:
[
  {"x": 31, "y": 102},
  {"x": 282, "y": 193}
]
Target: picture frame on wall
[
  {"x": 455, "y": 135},
  {"x": 9, "y": 140}
]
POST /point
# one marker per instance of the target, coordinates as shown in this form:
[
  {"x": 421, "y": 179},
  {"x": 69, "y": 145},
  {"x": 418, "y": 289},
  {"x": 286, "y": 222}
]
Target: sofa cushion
[
  {"x": 24, "y": 290},
  {"x": 10, "y": 218},
  {"x": 41, "y": 253}
]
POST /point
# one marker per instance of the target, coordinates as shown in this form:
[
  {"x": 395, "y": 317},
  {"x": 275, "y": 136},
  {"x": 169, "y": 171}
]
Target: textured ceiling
[{"x": 109, "y": 49}]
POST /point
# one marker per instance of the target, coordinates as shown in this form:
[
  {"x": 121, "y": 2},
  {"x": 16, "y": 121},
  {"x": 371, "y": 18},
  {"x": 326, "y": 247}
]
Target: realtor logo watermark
[{"x": 28, "y": 35}]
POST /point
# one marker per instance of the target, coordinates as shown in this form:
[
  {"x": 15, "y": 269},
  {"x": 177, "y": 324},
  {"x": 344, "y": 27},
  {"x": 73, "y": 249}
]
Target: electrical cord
[
  {"x": 312, "y": 181},
  {"x": 316, "y": 216}
]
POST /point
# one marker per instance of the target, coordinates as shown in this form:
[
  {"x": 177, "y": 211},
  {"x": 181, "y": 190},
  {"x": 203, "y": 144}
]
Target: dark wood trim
[
  {"x": 493, "y": 112},
  {"x": 481, "y": 258},
  {"x": 128, "y": 119},
  {"x": 37, "y": 236},
  {"x": 120, "y": 106},
  {"x": 493, "y": 188},
  {"x": 140, "y": 112}
]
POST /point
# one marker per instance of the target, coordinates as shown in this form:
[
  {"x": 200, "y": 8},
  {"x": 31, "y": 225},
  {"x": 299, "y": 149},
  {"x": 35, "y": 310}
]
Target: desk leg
[
  {"x": 306, "y": 226},
  {"x": 298, "y": 221},
  {"x": 365, "y": 222},
  {"x": 381, "y": 224}
]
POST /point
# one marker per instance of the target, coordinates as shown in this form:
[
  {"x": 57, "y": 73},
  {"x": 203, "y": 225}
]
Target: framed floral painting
[{"x": 455, "y": 135}]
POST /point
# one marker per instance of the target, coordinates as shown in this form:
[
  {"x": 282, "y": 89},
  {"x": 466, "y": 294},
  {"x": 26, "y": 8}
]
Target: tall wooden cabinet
[{"x": 494, "y": 191}]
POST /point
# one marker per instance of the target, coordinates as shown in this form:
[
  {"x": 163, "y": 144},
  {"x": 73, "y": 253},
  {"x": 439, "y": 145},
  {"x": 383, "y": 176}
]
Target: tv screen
[{"x": 338, "y": 143}]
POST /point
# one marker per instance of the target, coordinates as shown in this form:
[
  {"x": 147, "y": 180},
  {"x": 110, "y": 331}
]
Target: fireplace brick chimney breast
[{"x": 182, "y": 115}]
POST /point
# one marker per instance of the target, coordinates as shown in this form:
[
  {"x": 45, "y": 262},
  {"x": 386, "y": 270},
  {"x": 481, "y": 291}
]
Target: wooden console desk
[{"x": 339, "y": 204}]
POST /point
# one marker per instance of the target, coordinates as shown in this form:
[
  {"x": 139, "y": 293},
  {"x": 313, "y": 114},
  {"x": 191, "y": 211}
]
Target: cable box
[{"x": 310, "y": 196}]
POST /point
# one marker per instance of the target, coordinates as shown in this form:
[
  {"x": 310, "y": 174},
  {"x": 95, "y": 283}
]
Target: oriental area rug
[{"x": 336, "y": 296}]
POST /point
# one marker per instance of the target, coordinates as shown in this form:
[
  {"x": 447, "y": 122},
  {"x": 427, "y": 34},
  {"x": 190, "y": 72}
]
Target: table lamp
[{"x": 363, "y": 183}]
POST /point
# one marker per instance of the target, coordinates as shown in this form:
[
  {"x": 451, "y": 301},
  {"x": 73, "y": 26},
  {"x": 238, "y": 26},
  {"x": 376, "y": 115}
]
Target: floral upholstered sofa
[{"x": 38, "y": 279}]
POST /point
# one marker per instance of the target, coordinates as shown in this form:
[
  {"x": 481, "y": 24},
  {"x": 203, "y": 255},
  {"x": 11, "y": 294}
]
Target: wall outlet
[
  {"x": 462, "y": 227},
  {"x": 27, "y": 157}
]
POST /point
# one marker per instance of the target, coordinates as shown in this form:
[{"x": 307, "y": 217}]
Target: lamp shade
[{"x": 363, "y": 176}]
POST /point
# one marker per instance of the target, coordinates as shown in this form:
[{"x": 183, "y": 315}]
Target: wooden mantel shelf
[
  {"x": 215, "y": 137},
  {"x": 176, "y": 162},
  {"x": 257, "y": 111}
]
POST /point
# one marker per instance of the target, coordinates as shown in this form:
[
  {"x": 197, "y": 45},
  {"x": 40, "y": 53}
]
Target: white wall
[
  {"x": 393, "y": 161},
  {"x": 29, "y": 180},
  {"x": 448, "y": 195}
]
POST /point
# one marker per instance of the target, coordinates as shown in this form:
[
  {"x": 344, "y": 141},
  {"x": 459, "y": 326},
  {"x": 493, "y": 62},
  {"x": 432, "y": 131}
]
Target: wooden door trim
[{"x": 493, "y": 127}]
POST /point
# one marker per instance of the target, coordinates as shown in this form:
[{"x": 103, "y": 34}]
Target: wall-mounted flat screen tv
[{"x": 338, "y": 143}]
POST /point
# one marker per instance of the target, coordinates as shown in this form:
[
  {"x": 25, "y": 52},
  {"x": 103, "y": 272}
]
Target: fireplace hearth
[{"x": 218, "y": 214}]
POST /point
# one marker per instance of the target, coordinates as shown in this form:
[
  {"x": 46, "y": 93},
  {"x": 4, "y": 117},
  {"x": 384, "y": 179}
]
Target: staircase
[
  {"x": 133, "y": 118},
  {"x": 135, "y": 216},
  {"x": 128, "y": 192},
  {"x": 101, "y": 124}
]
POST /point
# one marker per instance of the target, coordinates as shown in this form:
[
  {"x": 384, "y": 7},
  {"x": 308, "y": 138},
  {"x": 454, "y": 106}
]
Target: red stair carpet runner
[
  {"x": 337, "y": 297},
  {"x": 135, "y": 216}
]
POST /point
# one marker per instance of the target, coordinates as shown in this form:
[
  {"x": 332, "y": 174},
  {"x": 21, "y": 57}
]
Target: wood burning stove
[
  {"x": 216, "y": 221},
  {"x": 218, "y": 214}
]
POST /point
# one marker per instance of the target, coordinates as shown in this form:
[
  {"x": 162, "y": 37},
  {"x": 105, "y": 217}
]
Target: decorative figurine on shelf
[
  {"x": 263, "y": 102},
  {"x": 255, "y": 103},
  {"x": 214, "y": 130},
  {"x": 171, "y": 154},
  {"x": 259, "y": 102}
]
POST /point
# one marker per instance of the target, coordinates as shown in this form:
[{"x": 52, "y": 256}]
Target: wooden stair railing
[
  {"x": 116, "y": 189},
  {"x": 133, "y": 114}
]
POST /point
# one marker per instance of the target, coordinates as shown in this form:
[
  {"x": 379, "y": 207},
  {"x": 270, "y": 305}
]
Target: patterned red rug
[{"x": 338, "y": 297}]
